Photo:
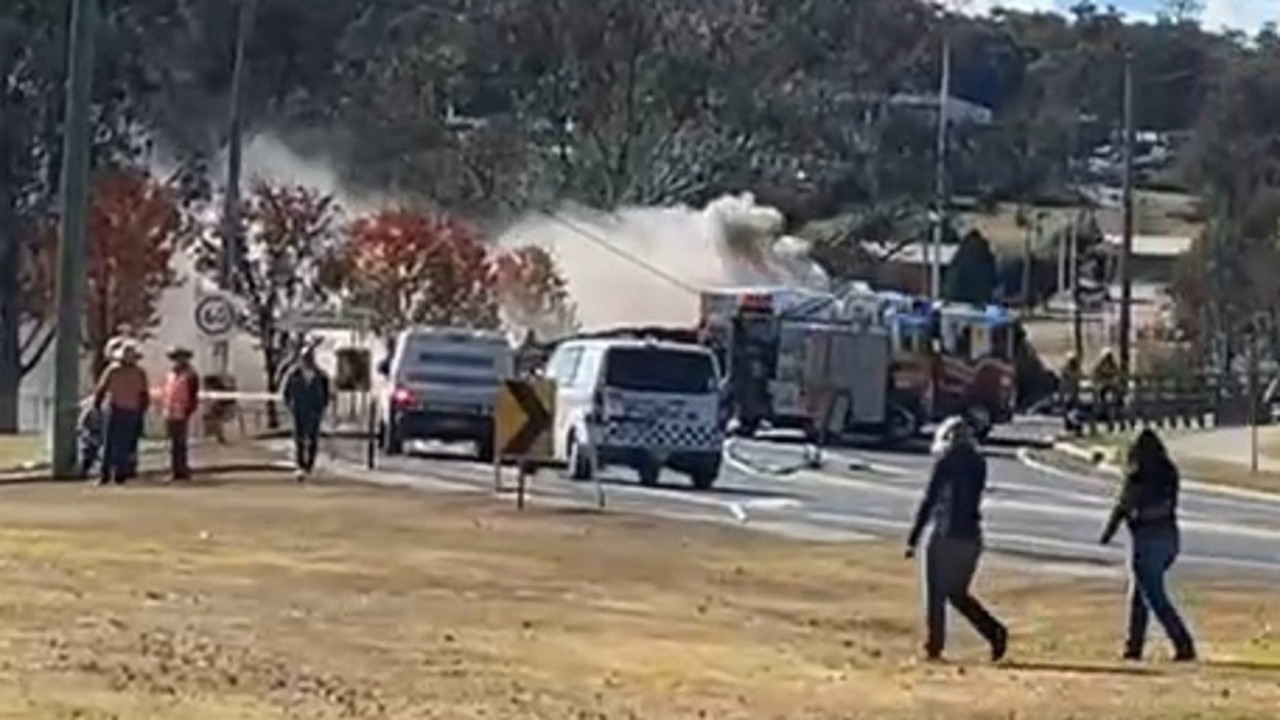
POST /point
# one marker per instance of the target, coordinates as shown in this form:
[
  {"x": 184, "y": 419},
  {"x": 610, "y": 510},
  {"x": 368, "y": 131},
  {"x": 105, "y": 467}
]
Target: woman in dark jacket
[{"x": 1148, "y": 505}]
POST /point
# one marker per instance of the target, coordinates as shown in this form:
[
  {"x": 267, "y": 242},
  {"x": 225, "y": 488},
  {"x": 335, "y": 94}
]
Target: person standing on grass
[
  {"x": 1148, "y": 506},
  {"x": 123, "y": 396},
  {"x": 306, "y": 394},
  {"x": 953, "y": 501},
  {"x": 181, "y": 398}
]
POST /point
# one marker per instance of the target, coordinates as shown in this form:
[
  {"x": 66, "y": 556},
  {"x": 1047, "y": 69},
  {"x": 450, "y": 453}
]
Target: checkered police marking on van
[{"x": 678, "y": 436}]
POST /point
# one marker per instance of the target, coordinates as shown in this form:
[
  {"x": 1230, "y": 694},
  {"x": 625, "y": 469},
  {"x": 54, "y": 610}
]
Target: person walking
[
  {"x": 306, "y": 394},
  {"x": 953, "y": 502},
  {"x": 123, "y": 396},
  {"x": 1148, "y": 506},
  {"x": 181, "y": 398}
]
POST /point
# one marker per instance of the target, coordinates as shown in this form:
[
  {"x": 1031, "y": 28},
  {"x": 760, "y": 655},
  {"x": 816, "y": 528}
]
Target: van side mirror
[{"x": 384, "y": 367}]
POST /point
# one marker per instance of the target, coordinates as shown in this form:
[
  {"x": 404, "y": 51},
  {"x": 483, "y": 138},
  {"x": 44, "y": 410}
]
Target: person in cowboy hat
[
  {"x": 953, "y": 502},
  {"x": 181, "y": 397},
  {"x": 123, "y": 395}
]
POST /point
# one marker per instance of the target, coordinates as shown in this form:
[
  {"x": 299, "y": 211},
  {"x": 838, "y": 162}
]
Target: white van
[
  {"x": 441, "y": 383},
  {"x": 643, "y": 404}
]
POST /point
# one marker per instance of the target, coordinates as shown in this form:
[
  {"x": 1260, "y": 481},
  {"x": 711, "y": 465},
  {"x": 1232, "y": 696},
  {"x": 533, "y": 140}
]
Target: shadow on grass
[
  {"x": 1080, "y": 668},
  {"x": 1139, "y": 670}
]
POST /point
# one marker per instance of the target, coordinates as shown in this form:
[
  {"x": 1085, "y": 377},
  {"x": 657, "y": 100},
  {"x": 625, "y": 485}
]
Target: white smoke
[
  {"x": 633, "y": 266},
  {"x": 646, "y": 265}
]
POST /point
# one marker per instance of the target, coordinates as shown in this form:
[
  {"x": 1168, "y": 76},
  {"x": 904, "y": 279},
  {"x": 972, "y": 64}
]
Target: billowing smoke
[{"x": 646, "y": 265}]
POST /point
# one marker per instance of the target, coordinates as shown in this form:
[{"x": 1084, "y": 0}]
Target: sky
[{"x": 1247, "y": 15}]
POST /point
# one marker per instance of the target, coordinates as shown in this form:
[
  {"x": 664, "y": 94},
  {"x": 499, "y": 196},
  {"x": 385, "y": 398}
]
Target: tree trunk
[
  {"x": 10, "y": 321},
  {"x": 10, "y": 386},
  {"x": 271, "y": 363}
]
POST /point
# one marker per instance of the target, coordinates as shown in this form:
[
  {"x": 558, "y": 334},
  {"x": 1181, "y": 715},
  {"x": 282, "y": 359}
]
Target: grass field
[
  {"x": 259, "y": 598},
  {"x": 16, "y": 450}
]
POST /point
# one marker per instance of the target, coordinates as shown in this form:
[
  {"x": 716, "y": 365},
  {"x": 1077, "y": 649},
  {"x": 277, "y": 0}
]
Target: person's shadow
[{"x": 1104, "y": 668}]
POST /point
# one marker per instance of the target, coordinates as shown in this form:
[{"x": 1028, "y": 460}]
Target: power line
[{"x": 629, "y": 257}]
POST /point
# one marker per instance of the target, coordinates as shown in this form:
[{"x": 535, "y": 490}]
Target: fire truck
[
  {"x": 798, "y": 359},
  {"x": 956, "y": 359},
  {"x": 975, "y": 374}
]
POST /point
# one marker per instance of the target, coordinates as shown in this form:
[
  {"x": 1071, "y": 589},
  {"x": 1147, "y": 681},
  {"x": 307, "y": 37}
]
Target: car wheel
[
  {"x": 747, "y": 427},
  {"x": 579, "y": 459},
  {"x": 393, "y": 441},
  {"x": 705, "y": 475},
  {"x": 649, "y": 473},
  {"x": 903, "y": 424}
]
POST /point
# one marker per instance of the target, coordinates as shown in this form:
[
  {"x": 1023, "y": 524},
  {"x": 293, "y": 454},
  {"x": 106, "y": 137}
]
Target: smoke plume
[{"x": 647, "y": 265}]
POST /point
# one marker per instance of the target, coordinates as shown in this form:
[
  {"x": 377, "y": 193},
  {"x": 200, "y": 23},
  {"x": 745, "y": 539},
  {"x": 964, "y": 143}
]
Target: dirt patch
[{"x": 259, "y": 598}]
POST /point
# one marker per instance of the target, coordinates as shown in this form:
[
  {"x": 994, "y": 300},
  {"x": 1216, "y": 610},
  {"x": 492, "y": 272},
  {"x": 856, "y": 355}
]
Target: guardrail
[
  {"x": 1193, "y": 400},
  {"x": 227, "y": 414}
]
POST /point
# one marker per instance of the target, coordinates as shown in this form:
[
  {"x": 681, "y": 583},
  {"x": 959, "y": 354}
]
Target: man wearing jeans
[
  {"x": 123, "y": 396},
  {"x": 953, "y": 501},
  {"x": 306, "y": 394}
]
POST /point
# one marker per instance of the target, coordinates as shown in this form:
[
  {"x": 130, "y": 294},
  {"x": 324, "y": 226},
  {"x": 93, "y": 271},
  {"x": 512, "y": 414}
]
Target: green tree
[
  {"x": 972, "y": 275},
  {"x": 32, "y": 61}
]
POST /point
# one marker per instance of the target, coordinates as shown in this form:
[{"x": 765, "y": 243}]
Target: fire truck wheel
[
  {"x": 980, "y": 421},
  {"x": 903, "y": 424}
]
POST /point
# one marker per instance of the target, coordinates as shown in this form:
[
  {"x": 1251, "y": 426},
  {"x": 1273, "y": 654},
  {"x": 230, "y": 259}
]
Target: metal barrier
[
  {"x": 1198, "y": 400},
  {"x": 251, "y": 413}
]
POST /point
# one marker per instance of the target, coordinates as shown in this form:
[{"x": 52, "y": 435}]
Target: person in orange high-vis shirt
[
  {"x": 180, "y": 400},
  {"x": 123, "y": 395}
]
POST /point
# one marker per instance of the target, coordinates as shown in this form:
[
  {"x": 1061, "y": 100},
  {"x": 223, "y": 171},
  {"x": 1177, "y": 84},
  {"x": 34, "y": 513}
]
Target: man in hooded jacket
[{"x": 952, "y": 504}]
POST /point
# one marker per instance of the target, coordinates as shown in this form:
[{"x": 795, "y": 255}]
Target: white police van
[{"x": 639, "y": 403}]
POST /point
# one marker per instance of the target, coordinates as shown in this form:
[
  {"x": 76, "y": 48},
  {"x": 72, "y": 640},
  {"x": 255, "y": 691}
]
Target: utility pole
[
  {"x": 73, "y": 220},
  {"x": 1077, "y": 316},
  {"x": 940, "y": 172},
  {"x": 231, "y": 241},
  {"x": 1126, "y": 249}
]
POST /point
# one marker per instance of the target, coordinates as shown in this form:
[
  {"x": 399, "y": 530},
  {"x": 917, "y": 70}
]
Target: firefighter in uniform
[
  {"x": 1069, "y": 391},
  {"x": 1107, "y": 395}
]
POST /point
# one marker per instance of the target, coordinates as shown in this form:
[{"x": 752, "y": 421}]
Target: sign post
[{"x": 523, "y": 420}]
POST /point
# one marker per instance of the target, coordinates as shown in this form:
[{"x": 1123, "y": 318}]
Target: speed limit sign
[{"x": 215, "y": 316}]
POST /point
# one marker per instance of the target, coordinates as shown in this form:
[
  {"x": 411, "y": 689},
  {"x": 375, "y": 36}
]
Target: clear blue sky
[{"x": 1248, "y": 15}]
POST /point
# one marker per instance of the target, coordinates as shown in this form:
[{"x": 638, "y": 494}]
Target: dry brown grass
[
  {"x": 16, "y": 450},
  {"x": 1155, "y": 213},
  {"x": 262, "y": 599},
  {"x": 1230, "y": 474}
]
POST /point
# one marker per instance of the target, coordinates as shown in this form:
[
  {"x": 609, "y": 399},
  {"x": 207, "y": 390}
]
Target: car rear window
[
  {"x": 433, "y": 361},
  {"x": 659, "y": 370}
]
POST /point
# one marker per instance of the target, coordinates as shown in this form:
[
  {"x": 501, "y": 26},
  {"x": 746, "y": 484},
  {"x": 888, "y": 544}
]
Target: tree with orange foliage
[
  {"x": 136, "y": 224},
  {"x": 289, "y": 234},
  {"x": 532, "y": 294},
  {"x": 411, "y": 267}
]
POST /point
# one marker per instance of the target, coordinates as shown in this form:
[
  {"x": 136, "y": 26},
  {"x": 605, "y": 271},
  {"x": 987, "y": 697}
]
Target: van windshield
[{"x": 659, "y": 370}]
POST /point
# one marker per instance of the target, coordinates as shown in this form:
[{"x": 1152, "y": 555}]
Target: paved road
[{"x": 1035, "y": 512}]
